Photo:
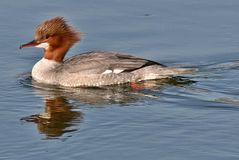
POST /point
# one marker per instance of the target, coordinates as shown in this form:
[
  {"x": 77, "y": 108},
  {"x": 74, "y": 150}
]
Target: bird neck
[{"x": 57, "y": 52}]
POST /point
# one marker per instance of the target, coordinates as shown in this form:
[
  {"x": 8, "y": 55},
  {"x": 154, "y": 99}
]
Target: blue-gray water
[{"x": 191, "y": 117}]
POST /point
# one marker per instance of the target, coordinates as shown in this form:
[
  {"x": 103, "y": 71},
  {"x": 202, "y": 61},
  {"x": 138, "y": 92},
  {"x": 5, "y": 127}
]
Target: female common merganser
[{"x": 91, "y": 68}]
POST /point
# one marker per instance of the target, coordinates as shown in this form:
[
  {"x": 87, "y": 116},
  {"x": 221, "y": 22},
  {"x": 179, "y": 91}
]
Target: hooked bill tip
[{"x": 29, "y": 44}]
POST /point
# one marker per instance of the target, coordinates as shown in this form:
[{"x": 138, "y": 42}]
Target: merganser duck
[{"x": 95, "y": 68}]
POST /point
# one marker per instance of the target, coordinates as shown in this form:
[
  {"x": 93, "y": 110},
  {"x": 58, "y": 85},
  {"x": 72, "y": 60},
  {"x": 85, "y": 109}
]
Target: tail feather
[
  {"x": 167, "y": 72},
  {"x": 177, "y": 71},
  {"x": 158, "y": 72}
]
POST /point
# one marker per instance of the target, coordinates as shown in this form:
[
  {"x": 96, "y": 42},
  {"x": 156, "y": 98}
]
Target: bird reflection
[
  {"x": 56, "y": 119},
  {"x": 60, "y": 116}
]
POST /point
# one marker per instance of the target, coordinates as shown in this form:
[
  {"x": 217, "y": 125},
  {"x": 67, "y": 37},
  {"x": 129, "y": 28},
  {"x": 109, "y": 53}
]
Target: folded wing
[{"x": 104, "y": 63}]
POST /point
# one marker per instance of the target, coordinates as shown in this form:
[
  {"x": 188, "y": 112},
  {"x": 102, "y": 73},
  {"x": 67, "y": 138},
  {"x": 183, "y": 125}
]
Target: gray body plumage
[{"x": 101, "y": 68}]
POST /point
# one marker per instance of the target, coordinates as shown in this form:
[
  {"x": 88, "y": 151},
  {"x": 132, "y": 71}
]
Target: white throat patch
[{"x": 44, "y": 45}]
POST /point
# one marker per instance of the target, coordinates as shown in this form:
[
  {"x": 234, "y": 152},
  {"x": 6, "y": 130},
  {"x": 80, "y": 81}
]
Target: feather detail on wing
[{"x": 104, "y": 63}]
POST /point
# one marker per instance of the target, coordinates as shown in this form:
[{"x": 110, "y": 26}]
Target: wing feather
[{"x": 99, "y": 62}]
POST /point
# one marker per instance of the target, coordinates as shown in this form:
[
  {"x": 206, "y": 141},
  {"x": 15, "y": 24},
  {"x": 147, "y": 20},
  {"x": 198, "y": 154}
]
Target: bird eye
[{"x": 47, "y": 36}]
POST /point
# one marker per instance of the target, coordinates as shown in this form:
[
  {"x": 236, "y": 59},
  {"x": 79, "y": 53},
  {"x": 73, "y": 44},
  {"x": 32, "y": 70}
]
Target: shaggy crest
[{"x": 56, "y": 27}]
